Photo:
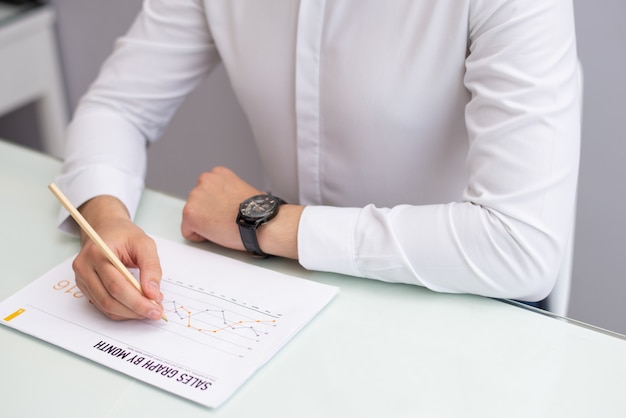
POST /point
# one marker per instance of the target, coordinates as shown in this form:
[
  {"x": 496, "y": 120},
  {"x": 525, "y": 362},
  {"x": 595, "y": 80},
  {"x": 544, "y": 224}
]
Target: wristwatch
[{"x": 254, "y": 212}]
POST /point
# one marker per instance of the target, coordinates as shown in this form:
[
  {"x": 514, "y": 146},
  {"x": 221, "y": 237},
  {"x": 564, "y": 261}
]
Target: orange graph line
[{"x": 227, "y": 324}]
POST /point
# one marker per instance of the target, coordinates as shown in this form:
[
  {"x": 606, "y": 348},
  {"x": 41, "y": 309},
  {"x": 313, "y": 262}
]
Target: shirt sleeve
[
  {"x": 506, "y": 235},
  {"x": 166, "y": 53}
]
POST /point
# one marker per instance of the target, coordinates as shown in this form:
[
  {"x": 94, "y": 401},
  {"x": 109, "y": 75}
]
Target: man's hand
[
  {"x": 212, "y": 208},
  {"x": 100, "y": 281},
  {"x": 211, "y": 213}
]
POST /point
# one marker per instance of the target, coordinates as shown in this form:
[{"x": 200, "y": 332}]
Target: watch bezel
[{"x": 267, "y": 213}]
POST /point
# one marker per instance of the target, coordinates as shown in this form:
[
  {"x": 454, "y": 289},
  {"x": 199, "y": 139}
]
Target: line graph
[
  {"x": 215, "y": 320},
  {"x": 183, "y": 313}
]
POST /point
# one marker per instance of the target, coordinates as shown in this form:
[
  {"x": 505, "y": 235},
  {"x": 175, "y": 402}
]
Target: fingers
[
  {"x": 188, "y": 232},
  {"x": 111, "y": 293}
]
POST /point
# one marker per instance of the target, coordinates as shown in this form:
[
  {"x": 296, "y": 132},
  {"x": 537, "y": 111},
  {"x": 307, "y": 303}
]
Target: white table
[
  {"x": 377, "y": 350},
  {"x": 30, "y": 71}
]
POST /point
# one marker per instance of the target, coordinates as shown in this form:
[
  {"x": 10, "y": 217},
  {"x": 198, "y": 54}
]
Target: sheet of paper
[{"x": 226, "y": 319}]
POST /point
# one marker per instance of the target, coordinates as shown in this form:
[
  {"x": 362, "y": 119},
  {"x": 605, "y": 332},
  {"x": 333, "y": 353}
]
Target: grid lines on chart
[{"x": 214, "y": 319}]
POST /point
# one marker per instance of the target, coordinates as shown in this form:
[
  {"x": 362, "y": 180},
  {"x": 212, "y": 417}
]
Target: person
[{"x": 433, "y": 143}]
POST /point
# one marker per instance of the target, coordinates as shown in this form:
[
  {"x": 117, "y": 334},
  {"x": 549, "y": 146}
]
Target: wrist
[
  {"x": 102, "y": 209},
  {"x": 280, "y": 235}
]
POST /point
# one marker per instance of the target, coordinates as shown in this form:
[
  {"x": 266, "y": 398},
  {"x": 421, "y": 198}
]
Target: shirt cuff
[
  {"x": 326, "y": 239},
  {"x": 96, "y": 181}
]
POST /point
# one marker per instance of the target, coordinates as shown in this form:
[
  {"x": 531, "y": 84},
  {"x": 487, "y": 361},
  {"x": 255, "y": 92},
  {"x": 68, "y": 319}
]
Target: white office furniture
[{"x": 30, "y": 72}]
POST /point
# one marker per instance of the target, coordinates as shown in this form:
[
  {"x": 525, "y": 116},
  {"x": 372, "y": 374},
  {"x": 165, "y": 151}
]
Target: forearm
[
  {"x": 455, "y": 248},
  {"x": 130, "y": 103}
]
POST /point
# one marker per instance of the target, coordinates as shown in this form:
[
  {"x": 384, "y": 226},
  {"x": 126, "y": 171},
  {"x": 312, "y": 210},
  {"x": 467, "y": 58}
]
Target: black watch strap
[{"x": 249, "y": 239}]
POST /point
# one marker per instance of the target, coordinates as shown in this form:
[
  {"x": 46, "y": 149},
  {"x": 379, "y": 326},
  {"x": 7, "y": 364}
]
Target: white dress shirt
[{"x": 434, "y": 142}]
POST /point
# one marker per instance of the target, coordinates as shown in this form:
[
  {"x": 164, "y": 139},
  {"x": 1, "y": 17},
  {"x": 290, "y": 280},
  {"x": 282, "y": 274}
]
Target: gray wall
[
  {"x": 599, "y": 285},
  {"x": 87, "y": 29}
]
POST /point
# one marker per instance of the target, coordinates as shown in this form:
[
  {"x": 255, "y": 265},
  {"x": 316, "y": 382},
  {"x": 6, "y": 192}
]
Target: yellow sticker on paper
[{"x": 15, "y": 314}]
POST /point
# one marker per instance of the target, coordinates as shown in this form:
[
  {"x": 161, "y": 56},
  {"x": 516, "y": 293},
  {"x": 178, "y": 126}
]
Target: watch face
[{"x": 258, "y": 206}]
